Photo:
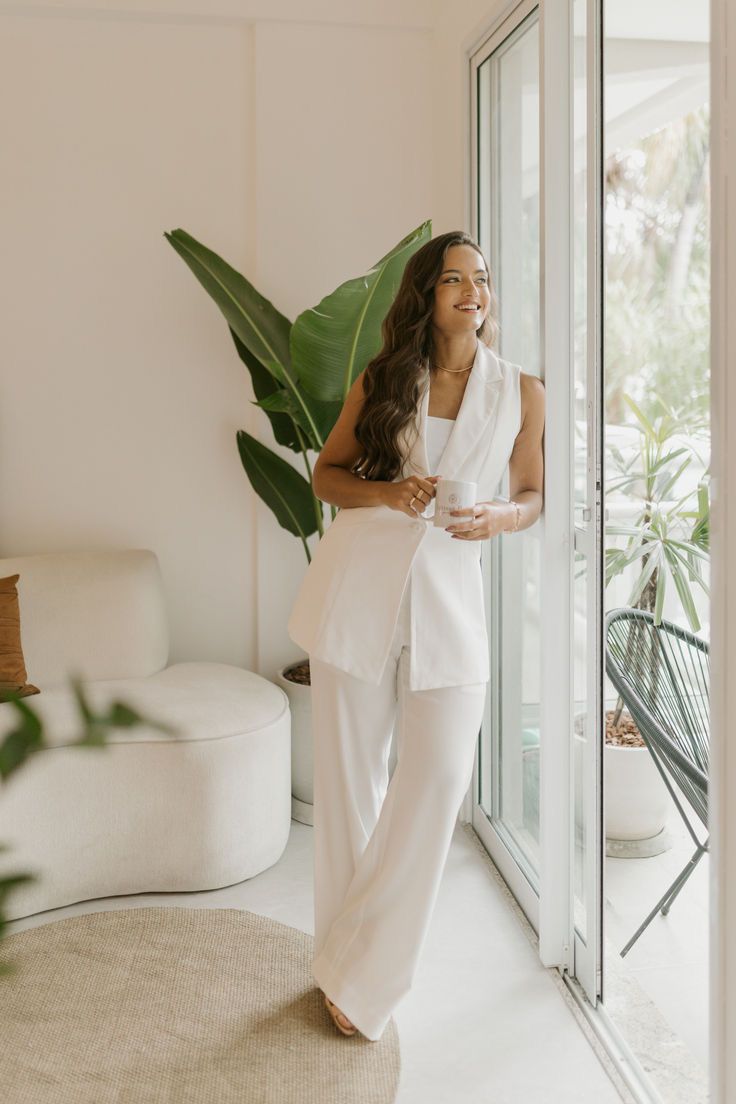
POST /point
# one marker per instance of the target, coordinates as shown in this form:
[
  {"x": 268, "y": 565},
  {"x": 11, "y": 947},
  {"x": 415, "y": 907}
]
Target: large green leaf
[
  {"x": 316, "y": 416},
  {"x": 264, "y": 385},
  {"x": 286, "y": 493},
  {"x": 287, "y": 404},
  {"x": 332, "y": 342},
  {"x": 261, "y": 328}
]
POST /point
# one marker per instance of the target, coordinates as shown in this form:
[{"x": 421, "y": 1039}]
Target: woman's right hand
[{"x": 411, "y": 495}]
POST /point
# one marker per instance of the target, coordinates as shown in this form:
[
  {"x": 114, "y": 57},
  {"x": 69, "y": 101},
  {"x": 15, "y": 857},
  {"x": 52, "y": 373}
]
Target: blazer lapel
[{"x": 473, "y": 418}]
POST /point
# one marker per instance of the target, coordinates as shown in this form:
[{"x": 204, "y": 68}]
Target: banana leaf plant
[
  {"x": 670, "y": 535},
  {"x": 301, "y": 371}
]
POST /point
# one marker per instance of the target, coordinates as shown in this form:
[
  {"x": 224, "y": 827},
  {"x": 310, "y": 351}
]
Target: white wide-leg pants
[{"x": 380, "y": 847}]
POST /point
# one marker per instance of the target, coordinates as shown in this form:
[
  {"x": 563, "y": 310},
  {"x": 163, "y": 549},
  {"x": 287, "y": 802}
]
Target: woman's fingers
[
  {"x": 415, "y": 504},
  {"x": 462, "y": 526},
  {"x": 428, "y": 487},
  {"x": 421, "y": 492}
]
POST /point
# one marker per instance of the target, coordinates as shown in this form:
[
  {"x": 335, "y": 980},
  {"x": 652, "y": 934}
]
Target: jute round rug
[{"x": 177, "y": 1006}]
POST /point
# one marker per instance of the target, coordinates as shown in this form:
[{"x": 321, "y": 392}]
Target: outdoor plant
[
  {"x": 301, "y": 371},
  {"x": 27, "y": 739},
  {"x": 670, "y": 535}
]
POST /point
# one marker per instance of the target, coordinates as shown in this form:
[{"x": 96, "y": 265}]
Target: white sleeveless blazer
[{"x": 347, "y": 606}]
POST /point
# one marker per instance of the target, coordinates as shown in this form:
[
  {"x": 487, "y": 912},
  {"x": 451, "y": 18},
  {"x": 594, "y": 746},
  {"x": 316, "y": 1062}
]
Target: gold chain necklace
[{"x": 454, "y": 370}]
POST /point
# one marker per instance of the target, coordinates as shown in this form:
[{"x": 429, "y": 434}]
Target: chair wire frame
[{"x": 662, "y": 673}]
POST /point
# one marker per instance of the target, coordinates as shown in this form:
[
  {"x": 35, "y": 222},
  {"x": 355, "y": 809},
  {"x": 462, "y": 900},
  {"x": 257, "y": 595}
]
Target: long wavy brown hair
[{"x": 391, "y": 382}]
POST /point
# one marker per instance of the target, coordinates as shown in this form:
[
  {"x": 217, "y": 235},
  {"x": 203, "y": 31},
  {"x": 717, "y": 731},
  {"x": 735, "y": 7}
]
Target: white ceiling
[{"x": 676, "y": 20}]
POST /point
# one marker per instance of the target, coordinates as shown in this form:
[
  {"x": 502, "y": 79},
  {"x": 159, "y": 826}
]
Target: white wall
[
  {"x": 120, "y": 395},
  {"x": 344, "y": 155},
  {"x": 297, "y": 140},
  {"x": 458, "y": 29}
]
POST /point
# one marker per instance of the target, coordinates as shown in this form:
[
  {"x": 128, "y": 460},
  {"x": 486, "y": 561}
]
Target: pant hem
[{"x": 367, "y": 1020}]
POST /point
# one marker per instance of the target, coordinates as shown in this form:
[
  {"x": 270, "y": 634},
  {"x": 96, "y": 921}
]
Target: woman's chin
[{"x": 462, "y": 325}]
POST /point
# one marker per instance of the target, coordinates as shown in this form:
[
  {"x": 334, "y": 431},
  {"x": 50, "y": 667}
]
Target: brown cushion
[{"x": 13, "y": 677}]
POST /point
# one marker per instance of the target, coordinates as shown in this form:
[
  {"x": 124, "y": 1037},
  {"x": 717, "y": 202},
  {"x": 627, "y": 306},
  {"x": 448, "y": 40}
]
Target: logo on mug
[{"x": 452, "y": 498}]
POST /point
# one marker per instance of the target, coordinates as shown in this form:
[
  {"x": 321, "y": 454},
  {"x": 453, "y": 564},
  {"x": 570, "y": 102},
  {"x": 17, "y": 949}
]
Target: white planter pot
[
  {"x": 637, "y": 802},
  {"x": 302, "y": 747},
  {"x": 302, "y": 761}
]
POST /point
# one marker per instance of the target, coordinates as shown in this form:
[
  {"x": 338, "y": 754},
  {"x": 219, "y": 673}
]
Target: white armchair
[{"x": 150, "y": 812}]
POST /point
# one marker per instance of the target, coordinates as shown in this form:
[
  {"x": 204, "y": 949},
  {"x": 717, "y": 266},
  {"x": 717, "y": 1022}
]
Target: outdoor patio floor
[{"x": 668, "y": 963}]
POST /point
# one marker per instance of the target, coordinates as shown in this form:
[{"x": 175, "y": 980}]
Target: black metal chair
[{"x": 662, "y": 673}]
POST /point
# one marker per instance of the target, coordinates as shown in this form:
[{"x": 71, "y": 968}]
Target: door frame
[
  {"x": 722, "y": 781},
  {"x": 551, "y": 912},
  {"x": 518, "y": 881}
]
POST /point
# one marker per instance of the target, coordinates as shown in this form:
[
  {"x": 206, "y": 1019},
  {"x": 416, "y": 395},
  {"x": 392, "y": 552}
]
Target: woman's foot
[{"x": 340, "y": 1020}]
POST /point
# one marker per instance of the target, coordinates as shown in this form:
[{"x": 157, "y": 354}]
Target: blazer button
[{"x": 418, "y": 524}]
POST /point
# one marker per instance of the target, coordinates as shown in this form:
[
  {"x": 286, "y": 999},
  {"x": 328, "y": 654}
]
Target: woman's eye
[{"x": 482, "y": 279}]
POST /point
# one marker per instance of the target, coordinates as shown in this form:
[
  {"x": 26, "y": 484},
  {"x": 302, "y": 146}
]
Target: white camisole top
[{"x": 438, "y": 432}]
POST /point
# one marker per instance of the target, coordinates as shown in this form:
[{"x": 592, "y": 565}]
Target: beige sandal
[{"x": 335, "y": 1013}]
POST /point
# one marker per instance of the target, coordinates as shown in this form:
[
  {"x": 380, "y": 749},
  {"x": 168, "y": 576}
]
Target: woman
[{"x": 391, "y": 612}]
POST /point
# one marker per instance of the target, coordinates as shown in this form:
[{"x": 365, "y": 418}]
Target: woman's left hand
[{"x": 485, "y": 520}]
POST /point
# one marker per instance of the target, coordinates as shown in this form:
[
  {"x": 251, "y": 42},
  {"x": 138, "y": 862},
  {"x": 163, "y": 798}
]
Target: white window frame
[
  {"x": 551, "y": 912},
  {"x": 722, "y": 781}
]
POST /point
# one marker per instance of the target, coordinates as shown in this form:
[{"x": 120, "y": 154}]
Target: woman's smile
[{"x": 463, "y": 287}]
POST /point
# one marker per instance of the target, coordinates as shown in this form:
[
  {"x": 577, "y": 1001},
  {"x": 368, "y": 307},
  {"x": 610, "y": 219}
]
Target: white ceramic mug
[{"x": 453, "y": 494}]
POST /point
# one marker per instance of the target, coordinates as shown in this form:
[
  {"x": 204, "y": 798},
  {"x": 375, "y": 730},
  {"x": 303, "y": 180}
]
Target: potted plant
[
  {"x": 669, "y": 538},
  {"x": 301, "y": 374}
]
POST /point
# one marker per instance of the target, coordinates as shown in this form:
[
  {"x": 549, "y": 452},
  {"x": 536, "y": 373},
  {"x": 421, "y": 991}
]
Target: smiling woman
[{"x": 391, "y": 610}]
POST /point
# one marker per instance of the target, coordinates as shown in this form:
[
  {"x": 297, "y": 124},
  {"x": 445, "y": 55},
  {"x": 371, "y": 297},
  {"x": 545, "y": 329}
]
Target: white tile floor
[{"x": 485, "y": 1022}]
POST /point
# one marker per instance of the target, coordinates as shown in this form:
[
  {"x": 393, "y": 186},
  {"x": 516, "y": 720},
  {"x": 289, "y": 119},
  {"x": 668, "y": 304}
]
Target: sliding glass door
[
  {"x": 508, "y": 231},
  {"x": 537, "y": 214},
  {"x": 555, "y": 216}
]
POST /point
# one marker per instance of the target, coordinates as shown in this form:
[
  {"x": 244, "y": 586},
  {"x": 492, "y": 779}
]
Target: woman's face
[{"x": 462, "y": 294}]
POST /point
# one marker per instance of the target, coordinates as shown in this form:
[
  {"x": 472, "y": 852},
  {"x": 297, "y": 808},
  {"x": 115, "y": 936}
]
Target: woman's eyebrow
[{"x": 458, "y": 271}]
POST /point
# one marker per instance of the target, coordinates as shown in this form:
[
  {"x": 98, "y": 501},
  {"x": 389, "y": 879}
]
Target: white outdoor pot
[
  {"x": 637, "y": 802},
  {"x": 302, "y": 748}
]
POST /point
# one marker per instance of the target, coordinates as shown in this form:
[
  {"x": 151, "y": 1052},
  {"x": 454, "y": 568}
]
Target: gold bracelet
[{"x": 518, "y": 516}]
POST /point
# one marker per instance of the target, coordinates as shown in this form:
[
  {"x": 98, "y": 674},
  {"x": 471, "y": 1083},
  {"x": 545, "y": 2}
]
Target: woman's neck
[{"x": 454, "y": 354}]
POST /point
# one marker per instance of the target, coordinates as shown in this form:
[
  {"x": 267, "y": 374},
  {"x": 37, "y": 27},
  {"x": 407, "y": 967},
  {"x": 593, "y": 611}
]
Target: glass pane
[
  {"x": 657, "y": 328},
  {"x": 508, "y": 91},
  {"x": 584, "y": 728},
  {"x": 580, "y": 740}
]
